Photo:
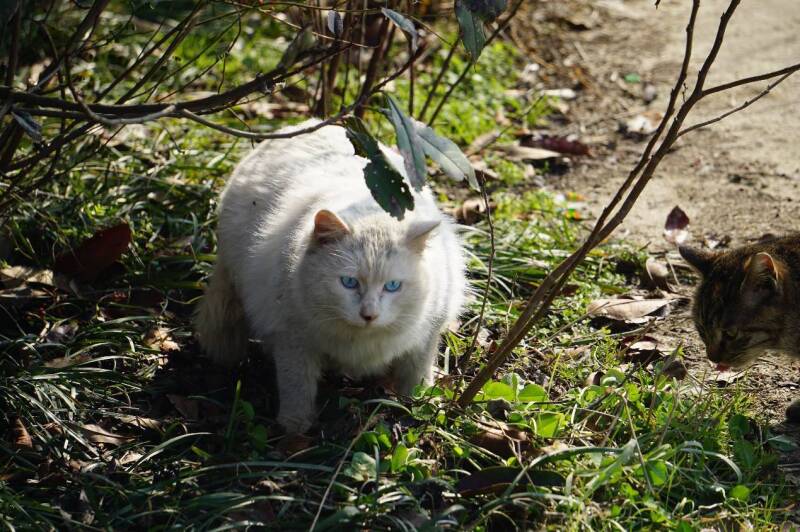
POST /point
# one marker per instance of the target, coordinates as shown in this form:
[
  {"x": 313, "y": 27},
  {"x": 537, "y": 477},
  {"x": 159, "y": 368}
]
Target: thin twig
[
  {"x": 747, "y": 103},
  {"x": 489, "y": 276}
]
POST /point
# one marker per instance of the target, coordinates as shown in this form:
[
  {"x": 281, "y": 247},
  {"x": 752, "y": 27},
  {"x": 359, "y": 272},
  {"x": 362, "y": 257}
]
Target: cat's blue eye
[
  {"x": 392, "y": 286},
  {"x": 349, "y": 282}
]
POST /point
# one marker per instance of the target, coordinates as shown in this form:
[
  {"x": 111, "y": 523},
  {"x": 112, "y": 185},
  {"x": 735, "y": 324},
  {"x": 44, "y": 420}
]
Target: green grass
[{"x": 544, "y": 446}]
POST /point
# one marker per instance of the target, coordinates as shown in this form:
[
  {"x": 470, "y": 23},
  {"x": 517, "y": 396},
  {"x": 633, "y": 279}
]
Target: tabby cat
[{"x": 748, "y": 303}]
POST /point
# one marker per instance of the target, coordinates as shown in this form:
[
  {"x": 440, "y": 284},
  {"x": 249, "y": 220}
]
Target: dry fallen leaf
[
  {"x": 525, "y": 153},
  {"x": 565, "y": 145},
  {"x": 15, "y": 276},
  {"x": 501, "y": 439},
  {"x": 97, "y": 434},
  {"x": 675, "y": 231},
  {"x": 188, "y": 408},
  {"x": 658, "y": 274},
  {"x": 628, "y": 310},
  {"x": 96, "y": 254},
  {"x": 22, "y": 439},
  {"x": 141, "y": 422},
  {"x": 160, "y": 339}
]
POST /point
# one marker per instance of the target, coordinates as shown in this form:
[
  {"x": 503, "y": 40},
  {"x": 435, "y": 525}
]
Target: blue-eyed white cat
[{"x": 312, "y": 267}]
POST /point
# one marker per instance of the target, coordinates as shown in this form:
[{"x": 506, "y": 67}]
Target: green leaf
[
  {"x": 399, "y": 457},
  {"x": 409, "y": 144},
  {"x": 745, "y": 453},
  {"x": 472, "y": 33},
  {"x": 548, "y": 424},
  {"x": 405, "y": 25},
  {"x": 498, "y": 390},
  {"x": 533, "y": 393},
  {"x": 388, "y": 187},
  {"x": 259, "y": 437},
  {"x": 657, "y": 472},
  {"x": 487, "y": 10},
  {"x": 362, "y": 467},
  {"x": 446, "y": 154},
  {"x": 740, "y": 493}
]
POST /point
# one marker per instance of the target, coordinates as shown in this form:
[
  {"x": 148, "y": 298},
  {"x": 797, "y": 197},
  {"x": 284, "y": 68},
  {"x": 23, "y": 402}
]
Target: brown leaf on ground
[
  {"x": 141, "y": 422},
  {"x": 657, "y": 275},
  {"x": 22, "y": 439},
  {"x": 501, "y": 439},
  {"x": 565, "y": 145},
  {"x": 160, "y": 339},
  {"x": 95, "y": 255},
  {"x": 482, "y": 141},
  {"x": 526, "y": 154},
  {"x": 97, "y": 434},
  {"x": 15, "y": 276},
  {"x": 188, "y": 408},
  {"x": 675, "y": 231},
  {"x": 627, "y": 310}
]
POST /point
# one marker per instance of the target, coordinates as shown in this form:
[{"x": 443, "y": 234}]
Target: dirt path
[{"x": 738, "y": 178}]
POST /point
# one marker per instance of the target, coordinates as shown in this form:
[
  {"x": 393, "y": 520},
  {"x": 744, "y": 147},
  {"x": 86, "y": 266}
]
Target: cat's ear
[
  {"x": 418, "y": 233},
  {"x": 762, "y": 272},
  {"x": 328, "y": 227},
  {"x": 699, "y": 259}
]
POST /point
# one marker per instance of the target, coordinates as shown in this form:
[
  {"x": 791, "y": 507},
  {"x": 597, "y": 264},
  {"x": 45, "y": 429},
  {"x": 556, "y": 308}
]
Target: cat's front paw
[
  {"x": 793, "y": 412},
  {"x": 295, "y": 424}
]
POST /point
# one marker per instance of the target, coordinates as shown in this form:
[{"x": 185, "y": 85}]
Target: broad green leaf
[
  {"x": 399, "y": 457},
  {"x": 409, "y": 144},
  {"x": 487, "y": 10},
  {"x": 447, "y": 155},
  {"x": 302, "y": 42},
  {"x": 657, "y": 472},
  {"x": 362, "y": 467},
  {"x": 386, "y": 184},
  {"x": 472, "y": 33},
  {"x": 740, "y": 493},
  {"x": 405, "y": 25},
  {"x": 548, "y": 424},
  {"x": 498, "y": 390},
  {"x": 533, "y": 393}
]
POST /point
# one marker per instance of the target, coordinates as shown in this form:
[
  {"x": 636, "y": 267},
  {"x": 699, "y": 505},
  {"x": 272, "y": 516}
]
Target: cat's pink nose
[{"x": 368, "y": 316}]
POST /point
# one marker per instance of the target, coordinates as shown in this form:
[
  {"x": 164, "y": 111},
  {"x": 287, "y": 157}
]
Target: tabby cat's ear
[
  {"x": 328, "y": 227},
  {"x": 418, "y": 233},
  {"x": 699, "y": 259},
  {"x": 762, "y": 272}
]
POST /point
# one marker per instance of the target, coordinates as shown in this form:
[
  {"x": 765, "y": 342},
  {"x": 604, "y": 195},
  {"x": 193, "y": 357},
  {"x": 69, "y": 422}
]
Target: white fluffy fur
[{"x": 276, "y": 282}]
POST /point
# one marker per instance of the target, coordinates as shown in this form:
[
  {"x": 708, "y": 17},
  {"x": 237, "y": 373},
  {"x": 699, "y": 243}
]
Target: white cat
[{"x": 310, "y": 265}]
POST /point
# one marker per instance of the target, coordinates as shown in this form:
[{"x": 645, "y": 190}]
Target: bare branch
[{"x": 747, "y": 103}]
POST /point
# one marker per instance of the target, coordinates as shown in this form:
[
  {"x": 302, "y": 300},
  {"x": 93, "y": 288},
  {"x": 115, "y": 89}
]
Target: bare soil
[{"x": 737, "y": 178}]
